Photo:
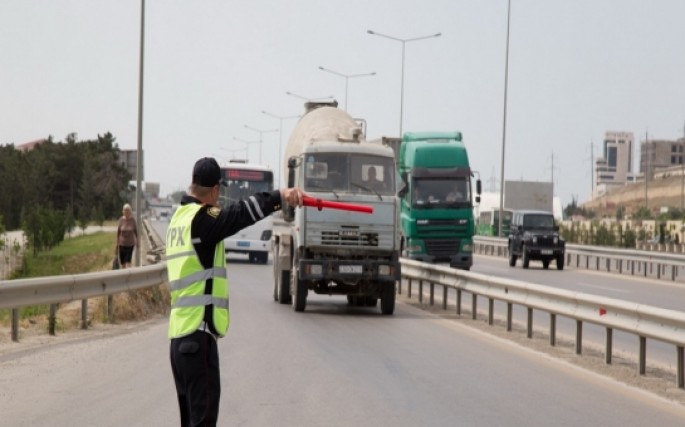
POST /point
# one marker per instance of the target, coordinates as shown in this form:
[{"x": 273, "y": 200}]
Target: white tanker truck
[{"x": 337, "y": 252}]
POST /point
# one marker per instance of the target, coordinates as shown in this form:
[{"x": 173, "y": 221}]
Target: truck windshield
[
  {"x": 441, "y": 192},
  {"x": 349, "y": 173}
]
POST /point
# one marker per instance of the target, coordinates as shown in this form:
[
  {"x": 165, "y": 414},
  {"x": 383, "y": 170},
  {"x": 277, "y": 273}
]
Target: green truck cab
[{"x": 436, "y": 198}]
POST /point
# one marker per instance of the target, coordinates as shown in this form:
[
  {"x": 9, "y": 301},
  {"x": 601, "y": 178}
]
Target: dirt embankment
[{"x": 659, "y": 193}]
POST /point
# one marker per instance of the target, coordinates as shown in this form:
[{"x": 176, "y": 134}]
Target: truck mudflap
[{"x": 371, "y": 270}]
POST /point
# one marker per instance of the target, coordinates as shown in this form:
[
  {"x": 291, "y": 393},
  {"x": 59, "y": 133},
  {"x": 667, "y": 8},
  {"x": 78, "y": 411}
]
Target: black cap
[{"x": 206, "y": 172}]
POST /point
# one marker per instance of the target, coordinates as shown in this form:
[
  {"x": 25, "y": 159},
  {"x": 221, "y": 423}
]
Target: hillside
[{"x": 660, "y": 193}]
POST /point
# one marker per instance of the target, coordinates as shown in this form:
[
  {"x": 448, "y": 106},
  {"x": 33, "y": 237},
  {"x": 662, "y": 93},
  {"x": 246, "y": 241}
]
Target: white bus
[{"x": 242, "y": 180}]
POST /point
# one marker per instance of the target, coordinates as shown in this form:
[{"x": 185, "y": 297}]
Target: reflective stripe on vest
[
  {"x": 200, "y": 300},
  {"x": 188, "y": 279},
  {"x": 203, "y": 275}
]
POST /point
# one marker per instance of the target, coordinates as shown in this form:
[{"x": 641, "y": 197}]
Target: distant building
[
  {"x": 660, "y": 158},
  {"x": 615, "y": 168}
]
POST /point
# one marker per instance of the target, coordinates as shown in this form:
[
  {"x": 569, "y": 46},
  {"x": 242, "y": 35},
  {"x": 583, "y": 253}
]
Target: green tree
[
  {"x": 629, "y": 239},
  {"x": 643, "y": 213},
  {"x": 71, "y": 177}
]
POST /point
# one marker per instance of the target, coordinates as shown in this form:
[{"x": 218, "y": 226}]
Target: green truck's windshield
[
  {"x": 349, "y": 173},
  {"x": 440, "y": 192}
]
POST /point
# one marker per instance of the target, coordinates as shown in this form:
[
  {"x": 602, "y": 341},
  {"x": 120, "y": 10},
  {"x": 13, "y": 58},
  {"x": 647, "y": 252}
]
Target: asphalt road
[{"x": 332, "y": 365}]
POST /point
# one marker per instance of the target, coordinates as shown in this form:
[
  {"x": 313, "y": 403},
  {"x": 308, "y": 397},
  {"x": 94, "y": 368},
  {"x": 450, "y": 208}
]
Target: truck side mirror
[
  {"x": 405, "y": 186},
  {"x": 478, "y": 189},
  {"x": 287, "y": 210},
  {"x": 292, "y": 164}
]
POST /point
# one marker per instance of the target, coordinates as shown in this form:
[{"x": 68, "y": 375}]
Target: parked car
[{"x": 535, "y": 236}]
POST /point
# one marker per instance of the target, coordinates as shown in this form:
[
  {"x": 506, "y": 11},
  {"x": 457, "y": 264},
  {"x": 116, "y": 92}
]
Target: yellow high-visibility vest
[{"x": 187, "y": 279}]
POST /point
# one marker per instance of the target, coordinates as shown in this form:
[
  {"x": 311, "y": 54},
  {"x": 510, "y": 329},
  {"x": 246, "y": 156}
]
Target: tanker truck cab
[{"x": 337, "y": 252}]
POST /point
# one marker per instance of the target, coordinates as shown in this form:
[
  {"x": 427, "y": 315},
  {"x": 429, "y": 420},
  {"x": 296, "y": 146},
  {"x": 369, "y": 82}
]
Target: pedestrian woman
[{"x": 127, "y": 237}]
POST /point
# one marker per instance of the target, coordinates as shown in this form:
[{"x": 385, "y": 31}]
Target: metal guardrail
[
  {"x": 52, "y": 290},
  {"x": 647, "y": 322},
  {"x": 56, "y": 289},
  {"x": 646, "y": 263}
]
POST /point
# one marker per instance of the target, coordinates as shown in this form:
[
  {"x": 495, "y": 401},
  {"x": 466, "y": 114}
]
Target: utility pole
[
  {"x": 592, "y": 169},
  {"x": 646, "y": 169},
  {"x": 682, "y": 171}
]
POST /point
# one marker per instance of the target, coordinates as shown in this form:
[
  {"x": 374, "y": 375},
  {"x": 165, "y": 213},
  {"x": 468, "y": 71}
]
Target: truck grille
[
  {"x": 348, "y": 238},
  {"x": 441, "y": 247},
  {"x": 428, "y": 226}
]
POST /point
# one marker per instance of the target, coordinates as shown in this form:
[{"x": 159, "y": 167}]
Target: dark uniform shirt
[{"x": 213, "y": 224}]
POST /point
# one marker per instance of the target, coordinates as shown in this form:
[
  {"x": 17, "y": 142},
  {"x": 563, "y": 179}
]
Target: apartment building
[
  {"x": 660, "y": 158},
  {"x": 615, "y": 168}
]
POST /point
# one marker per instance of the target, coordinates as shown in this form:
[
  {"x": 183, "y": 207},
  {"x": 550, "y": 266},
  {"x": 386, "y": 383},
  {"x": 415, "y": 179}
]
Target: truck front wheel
[
  {"x": 299, "y": 290},
  {"x": 388, "y": 298},
  {"x": 284, "y": 287},
  {"x": 525, "y": 258}
]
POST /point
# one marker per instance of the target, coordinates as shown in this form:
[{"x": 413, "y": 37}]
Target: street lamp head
[{"x": 305, "y": 98}]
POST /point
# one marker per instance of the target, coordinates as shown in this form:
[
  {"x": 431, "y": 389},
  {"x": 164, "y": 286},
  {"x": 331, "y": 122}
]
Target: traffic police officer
[{"x": 196, "y": 265}]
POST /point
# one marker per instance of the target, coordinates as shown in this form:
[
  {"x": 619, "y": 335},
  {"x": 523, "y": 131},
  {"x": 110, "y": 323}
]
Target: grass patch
[{"x": 81, "y": 254}]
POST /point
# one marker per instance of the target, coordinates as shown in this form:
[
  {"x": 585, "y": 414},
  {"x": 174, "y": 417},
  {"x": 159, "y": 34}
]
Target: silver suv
[{"x": 535, "y": 236}]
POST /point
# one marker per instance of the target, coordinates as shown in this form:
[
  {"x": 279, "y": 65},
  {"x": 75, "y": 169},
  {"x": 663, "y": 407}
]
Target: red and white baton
[{"x": 320, "y": 204}]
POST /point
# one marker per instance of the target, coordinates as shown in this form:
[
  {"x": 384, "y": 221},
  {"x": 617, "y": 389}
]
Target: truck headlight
[
  {"x": 384, "y": 270},
  {"x": 535, "y": 239},
  {"x": 468, "y": 247},
  {"x": 556, "y": 241},
  {"x": 315, "y": 269}
]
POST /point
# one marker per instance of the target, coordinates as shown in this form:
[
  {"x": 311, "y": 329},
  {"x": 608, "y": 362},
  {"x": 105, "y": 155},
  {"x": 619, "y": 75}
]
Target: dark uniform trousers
[{"x": 195, "y": 364}]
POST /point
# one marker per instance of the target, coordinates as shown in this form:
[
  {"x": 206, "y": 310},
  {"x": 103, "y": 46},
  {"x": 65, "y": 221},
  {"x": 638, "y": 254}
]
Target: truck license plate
[
  {"x": 546, "y": 252},
  {"x": 243, "y": 244},
  {"x": 351, "y": 269}
]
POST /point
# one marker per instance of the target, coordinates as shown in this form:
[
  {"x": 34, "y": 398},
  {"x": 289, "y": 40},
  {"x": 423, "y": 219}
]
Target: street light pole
[
  {"x": 233, "y": 151},
  {"x": 261, "y": 132},
  {"x": 280, "y": 138},
  {"x": 308, "y": 98},
  {"x": 504, "y": 125},
  {"x": 404, "y": 42},
  {"x": 139, "y": 151},
  {"x": 347, "y": 78},
  {"x": 247, "y": 143}
]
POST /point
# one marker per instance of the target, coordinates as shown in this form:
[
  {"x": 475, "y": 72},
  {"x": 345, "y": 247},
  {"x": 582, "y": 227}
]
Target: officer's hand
[{"x": 292, "y": 196}]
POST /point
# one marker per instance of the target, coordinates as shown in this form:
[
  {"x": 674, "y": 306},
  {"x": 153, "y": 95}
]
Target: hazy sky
[{"x": 576, "y": 69}]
